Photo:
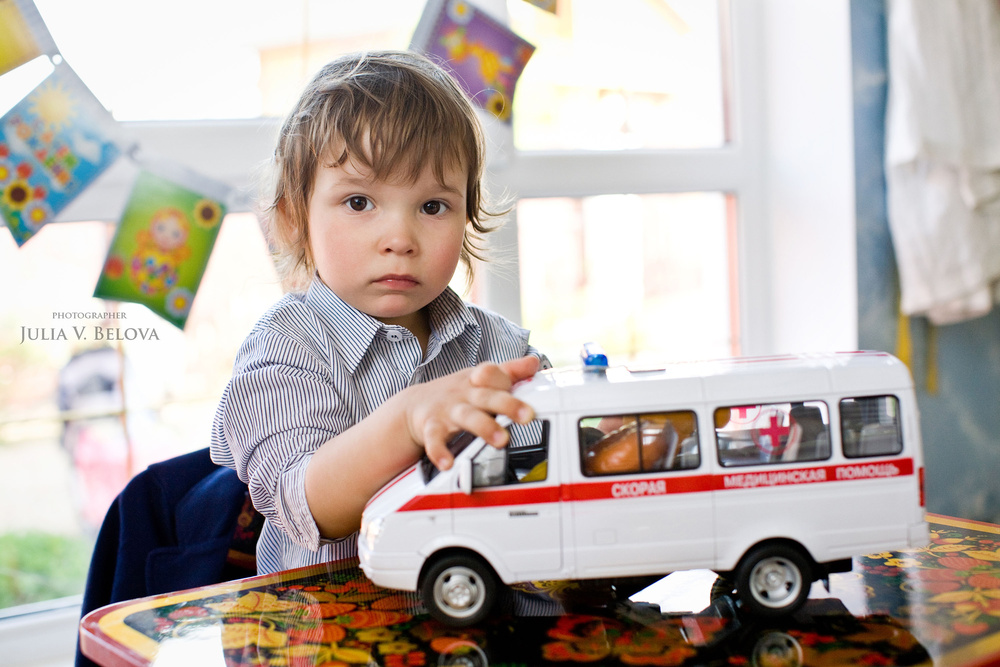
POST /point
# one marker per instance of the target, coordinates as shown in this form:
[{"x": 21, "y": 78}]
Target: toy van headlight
[{"x": 371, "y": 530}]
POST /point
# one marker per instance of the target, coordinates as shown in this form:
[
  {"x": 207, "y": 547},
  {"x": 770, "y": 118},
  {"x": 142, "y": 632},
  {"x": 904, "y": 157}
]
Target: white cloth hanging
[{"x": 943, "y": 155}]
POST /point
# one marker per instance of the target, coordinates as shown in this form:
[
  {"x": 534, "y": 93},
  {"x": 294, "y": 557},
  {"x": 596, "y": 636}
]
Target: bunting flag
[
  {"x": 53, "y": 144},
  {"x": 162, "y": 245},
  {"x": 547, "y": 5},
  {"x": 23, "y": 35},
  {"x": 485, "y": 56}
]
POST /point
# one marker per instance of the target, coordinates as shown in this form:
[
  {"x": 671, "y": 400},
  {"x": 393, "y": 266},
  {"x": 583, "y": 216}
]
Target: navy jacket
[{"x": 176, "y": 525}]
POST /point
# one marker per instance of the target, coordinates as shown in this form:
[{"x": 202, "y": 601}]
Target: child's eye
[
  {"x": 359, "y": 203},
  {"x": 434, "y": 207}
]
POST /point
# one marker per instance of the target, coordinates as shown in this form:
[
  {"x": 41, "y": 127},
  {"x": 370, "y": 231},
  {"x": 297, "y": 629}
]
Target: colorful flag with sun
[
  {"x": 485, "y": 56},
  {"x": 53, "y": 144},
  {"x": 23, "y": 35},
  {"x": 161, "y": 247}
]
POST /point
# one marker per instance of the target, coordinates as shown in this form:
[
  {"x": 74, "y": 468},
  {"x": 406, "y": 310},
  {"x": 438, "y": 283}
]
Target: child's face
[{"x": 388, "y": 248}]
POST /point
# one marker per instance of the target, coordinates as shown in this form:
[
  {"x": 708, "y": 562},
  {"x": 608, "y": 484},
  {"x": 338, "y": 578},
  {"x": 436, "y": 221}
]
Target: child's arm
[{"x": 347, "y": 470}]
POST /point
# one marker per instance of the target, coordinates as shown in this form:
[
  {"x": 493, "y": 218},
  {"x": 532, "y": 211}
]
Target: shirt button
[{"x": 394, "y": 336}]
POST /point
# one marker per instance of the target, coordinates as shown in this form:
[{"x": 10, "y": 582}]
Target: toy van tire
[
  {"x": 459, "y": 589},
  {"x": 773, "y": 580}
]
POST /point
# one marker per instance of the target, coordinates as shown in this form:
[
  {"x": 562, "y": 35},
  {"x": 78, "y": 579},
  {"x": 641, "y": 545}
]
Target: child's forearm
[{"x": 348, "y": 469}]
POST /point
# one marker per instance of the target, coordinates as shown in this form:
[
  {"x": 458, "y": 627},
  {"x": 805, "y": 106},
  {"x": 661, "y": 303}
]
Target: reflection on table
[{"x": 940, "y": 603}]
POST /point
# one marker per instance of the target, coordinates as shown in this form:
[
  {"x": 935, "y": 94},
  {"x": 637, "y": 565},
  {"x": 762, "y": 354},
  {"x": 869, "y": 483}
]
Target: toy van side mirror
[{"x": 465, "y": 475}]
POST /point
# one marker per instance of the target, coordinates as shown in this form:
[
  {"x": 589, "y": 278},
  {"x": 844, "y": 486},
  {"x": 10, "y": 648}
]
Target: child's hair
[{"x": 394, "y": 112}]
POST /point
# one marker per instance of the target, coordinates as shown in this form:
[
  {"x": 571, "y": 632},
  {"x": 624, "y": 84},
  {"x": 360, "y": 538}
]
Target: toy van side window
[
  {"x": 650, "y": 442},
  {"x": 870, "y": 426},
  {"x": 772, "y": 433},
  {"x": 524, "y": 459}
]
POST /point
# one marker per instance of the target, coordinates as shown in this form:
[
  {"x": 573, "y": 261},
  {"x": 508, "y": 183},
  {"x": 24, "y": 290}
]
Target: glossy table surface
[{"x": 936, "y": 605}]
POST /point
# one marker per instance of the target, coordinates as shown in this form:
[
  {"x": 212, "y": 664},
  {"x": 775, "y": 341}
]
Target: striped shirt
[{"x": 312, "y": 367}]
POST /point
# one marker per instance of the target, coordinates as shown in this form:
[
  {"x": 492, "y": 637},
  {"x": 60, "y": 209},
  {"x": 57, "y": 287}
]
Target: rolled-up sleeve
[{"x": 280, "y": 406}]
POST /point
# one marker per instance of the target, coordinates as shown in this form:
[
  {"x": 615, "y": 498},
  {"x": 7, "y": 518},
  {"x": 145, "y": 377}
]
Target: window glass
[
  {"x": 621, "y": 444},
  {"x": 622, "y": 75},
  {"x": 524, "y": 460},
  {"x": 80, "y": 415},
  {"x": 870, "y": 426},
  {"x": 193, "y": 59},
  {"x": 646, "y": 275},
  {"x": 772, "y": 433}
]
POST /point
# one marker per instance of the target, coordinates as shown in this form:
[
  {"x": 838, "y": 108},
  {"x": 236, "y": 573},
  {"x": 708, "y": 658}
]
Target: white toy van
[{"x": 772, "y": 471}]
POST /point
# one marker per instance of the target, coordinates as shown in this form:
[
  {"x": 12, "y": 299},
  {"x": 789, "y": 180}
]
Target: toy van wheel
[
  {"x": 777, "y": 648},
  {"x": 773, "y": 580},
  {"x": 459, "y": 590}
]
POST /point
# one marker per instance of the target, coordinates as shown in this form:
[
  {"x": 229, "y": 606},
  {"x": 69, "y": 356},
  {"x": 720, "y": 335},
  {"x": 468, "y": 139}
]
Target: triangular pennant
[
  {"x": 162, "y": 245},
  {"x": 23, "y": 35},
  {"x": 485, "y": 56},
  {"x": 53, "y": 144}
]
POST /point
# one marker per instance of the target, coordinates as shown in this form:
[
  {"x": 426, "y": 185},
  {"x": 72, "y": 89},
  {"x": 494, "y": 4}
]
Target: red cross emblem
[{"x": 772, "y": 437}]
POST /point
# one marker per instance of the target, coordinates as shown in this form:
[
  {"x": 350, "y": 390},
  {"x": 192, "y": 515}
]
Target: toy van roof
[{"x": 736, "y": 381}]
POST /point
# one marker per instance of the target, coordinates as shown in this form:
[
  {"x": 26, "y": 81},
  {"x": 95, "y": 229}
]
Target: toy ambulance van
[{"x": 772, "y": 471}]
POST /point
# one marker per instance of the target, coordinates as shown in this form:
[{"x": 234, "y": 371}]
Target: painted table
[{"x": 936, "y": 605}]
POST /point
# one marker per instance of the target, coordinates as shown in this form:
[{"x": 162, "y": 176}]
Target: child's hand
[{"x": 467, "y": 400}]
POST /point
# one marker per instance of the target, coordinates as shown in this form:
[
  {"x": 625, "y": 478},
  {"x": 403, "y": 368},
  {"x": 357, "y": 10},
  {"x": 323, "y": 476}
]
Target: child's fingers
[
  {"x": 521, "y": 369},
  {"x": 499, "y": 402},
  {"x": 503, "y": 376},
  {"x": 436, "y": 444}
]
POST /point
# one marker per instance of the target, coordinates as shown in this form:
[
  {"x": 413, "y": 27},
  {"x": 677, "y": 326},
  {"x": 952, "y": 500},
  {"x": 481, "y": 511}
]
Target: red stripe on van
[
  {"x": 752, "y": 478},
  {"x": 494, "y": 497}
]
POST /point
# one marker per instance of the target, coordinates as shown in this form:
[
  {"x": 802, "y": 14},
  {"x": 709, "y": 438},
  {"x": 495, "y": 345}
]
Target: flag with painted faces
[
  {"x": 485, "y": 56},
  {"x": 53, "y": 144},
  {"x": 23, "y": 35},
  {"x": 162, "y": 245}
]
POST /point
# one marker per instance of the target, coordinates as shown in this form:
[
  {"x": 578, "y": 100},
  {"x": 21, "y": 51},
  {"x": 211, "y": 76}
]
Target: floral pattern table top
[{"x": 936, "y": 605}]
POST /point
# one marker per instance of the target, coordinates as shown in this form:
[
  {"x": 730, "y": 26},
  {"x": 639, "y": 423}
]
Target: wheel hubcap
[
  {"x": 775, "y": 582},
  {"x": 459, "y": 590}
]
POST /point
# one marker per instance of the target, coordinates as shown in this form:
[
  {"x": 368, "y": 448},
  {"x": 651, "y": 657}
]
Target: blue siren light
[{"x": 594, "y": 358}]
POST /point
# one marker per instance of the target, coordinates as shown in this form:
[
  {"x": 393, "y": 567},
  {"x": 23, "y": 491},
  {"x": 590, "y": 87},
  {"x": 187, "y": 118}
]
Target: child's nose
[{"x": 400, "y": 236}]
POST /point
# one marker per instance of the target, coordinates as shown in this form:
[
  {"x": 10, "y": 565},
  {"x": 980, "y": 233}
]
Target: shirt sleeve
[{"x": 279, "y": 407}]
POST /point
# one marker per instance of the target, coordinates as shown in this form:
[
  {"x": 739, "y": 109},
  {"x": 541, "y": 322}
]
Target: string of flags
[{"x": 59, "y": 139}]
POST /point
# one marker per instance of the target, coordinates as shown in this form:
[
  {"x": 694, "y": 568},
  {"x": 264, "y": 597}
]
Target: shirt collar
[
  {"x": 354, "y": 331},
  {"x": 450, "y": 320}
]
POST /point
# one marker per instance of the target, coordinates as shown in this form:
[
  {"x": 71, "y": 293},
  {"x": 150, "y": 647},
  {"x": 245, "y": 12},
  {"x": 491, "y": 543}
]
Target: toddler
[{"x": 375, "y": 361}]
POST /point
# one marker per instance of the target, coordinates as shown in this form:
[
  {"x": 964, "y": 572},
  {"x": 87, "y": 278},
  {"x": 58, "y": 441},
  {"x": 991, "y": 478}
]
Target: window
[
  {"x": 631, "y": 159},
  {"x": 639, "y": 75},
  {"x": 651, "y": 442},
  {"x": 773, "y": 433},
  {"x": 870, "y": 426},
  {"x": 524, "y": 460},
  {"x": 649, "y": 276}
]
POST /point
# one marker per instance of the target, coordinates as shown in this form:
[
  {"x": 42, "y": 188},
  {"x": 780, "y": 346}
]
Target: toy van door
[
  {"x": 513, "y": 510},
  {"x": 643, "y": 502}
]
